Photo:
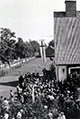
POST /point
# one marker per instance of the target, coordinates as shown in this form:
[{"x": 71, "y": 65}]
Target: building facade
[{"x": 67, "y": 40}]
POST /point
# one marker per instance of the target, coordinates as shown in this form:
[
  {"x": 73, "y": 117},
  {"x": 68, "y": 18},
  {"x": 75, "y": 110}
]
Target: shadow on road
[{"x": 12, "y": 83}]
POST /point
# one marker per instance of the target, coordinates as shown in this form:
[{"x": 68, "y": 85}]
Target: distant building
[
  {"x": 67, "y": 40},
  {"x": 49, "y": 51}
]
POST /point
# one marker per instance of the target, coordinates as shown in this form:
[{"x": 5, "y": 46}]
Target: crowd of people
[{"x": 43, "y": 97}]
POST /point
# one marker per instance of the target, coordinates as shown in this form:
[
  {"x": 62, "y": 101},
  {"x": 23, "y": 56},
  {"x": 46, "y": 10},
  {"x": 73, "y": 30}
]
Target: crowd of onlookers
[{"x": 43, "y": 97}]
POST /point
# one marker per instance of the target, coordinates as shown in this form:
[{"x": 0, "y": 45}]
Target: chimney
[{"x": 70, "y": 8}]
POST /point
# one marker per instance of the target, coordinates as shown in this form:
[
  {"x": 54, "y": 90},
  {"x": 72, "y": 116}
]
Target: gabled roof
[{"x": 67, "y": 39}]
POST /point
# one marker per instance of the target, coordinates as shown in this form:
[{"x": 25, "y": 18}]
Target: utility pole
[{"x": 42, "y": 50}]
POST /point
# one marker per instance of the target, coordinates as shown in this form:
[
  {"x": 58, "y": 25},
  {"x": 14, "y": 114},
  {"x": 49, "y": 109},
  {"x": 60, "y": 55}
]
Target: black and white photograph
[{"x": 39, "y": 59}]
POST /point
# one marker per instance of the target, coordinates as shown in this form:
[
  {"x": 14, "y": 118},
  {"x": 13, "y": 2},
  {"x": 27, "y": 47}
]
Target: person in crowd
[
  {"x": 20, "y": 114},
  {"x": 11, "y": 96},
  {"x": 1, "y": 101},
  {"x": 5, "y": 104},
  {"x": 50, "y": 115},
  {"x": 21, "y": 79},
  {"x": 19, "y": 91},
  {"x": 61, "y": 115},
  {"x": 13, "y": 117},
  {"x": 6, "y": 115}
]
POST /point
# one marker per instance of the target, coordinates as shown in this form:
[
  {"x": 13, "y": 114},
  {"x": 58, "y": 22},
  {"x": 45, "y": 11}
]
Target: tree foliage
[
  {"x": 51, "y": 43},
  {"x": 11, "y": 49},
  {"x": 7, "y": 44}
]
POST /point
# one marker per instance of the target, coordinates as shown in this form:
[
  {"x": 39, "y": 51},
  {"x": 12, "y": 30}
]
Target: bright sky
[{"x": 31, "y": 19}]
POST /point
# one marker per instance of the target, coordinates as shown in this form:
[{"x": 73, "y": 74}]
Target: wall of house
[{"x": 61, "y": 73}]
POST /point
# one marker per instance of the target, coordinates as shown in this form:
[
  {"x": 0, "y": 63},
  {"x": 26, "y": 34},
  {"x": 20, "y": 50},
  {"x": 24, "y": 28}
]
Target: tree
[
  {"x": 20, "y": 48},
  {"x": 35, "y": 46},
  {"x": 26, "y": 49},
  {"x": 10, "y": 49},
  {"x": 51, "y": 43},
  {"x": 29, "y": 49},
  {"x": 7, "y": 45}
]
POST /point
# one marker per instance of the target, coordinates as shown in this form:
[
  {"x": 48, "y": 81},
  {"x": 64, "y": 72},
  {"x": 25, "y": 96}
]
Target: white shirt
[
  {"x": 6, "y": 116},
  {"x": 19, "y": 115},
  {"x": 62, "y": 117}
]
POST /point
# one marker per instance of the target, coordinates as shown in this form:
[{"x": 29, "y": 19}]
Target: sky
[{"x": 31, "y": 19}]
